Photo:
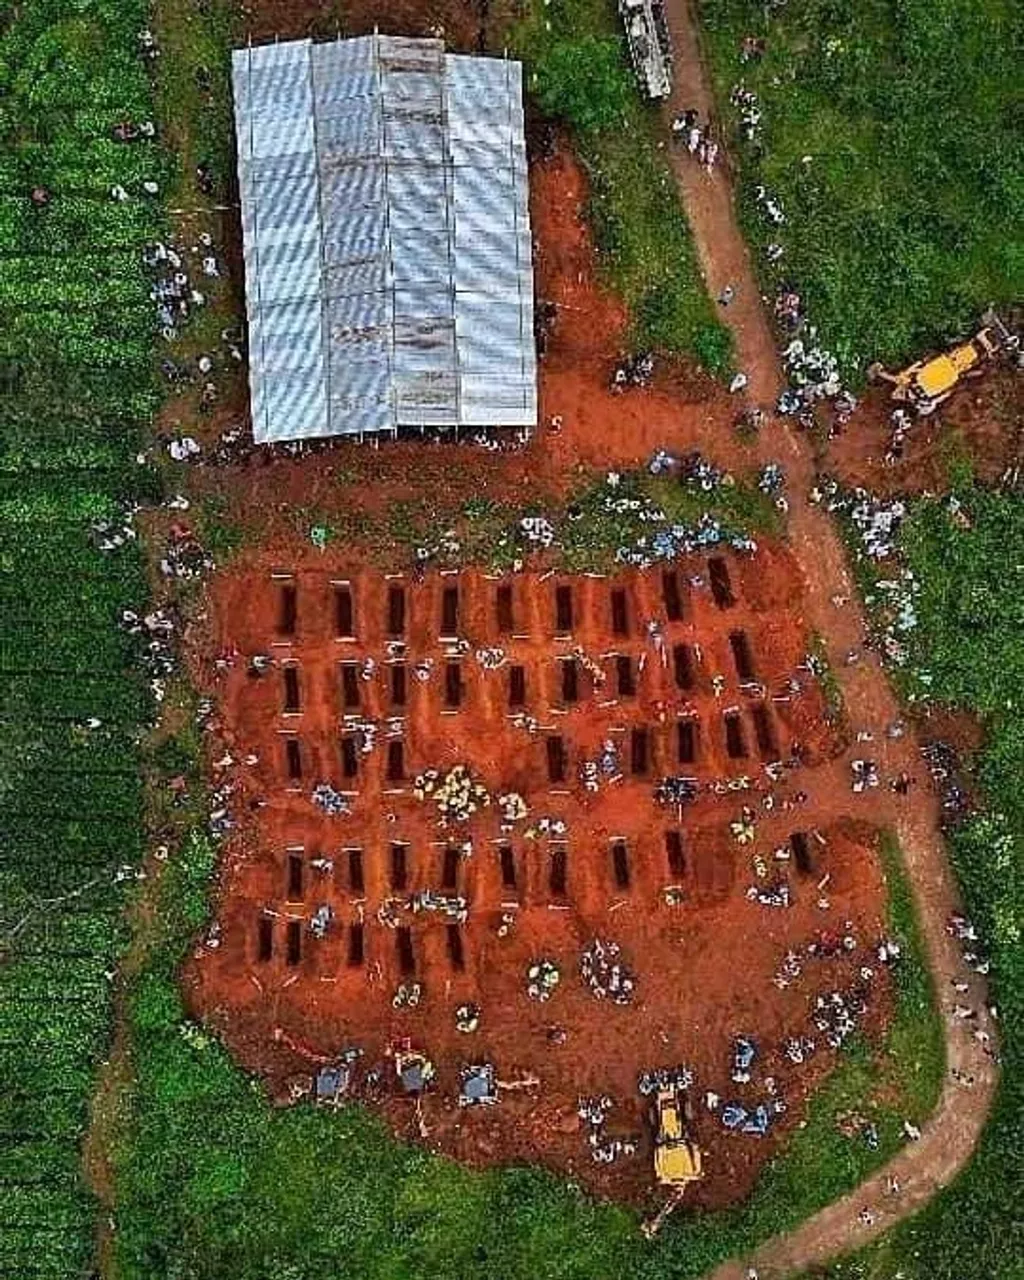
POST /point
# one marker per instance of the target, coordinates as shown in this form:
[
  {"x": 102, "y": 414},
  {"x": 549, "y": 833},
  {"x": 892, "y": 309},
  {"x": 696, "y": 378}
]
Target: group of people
[{"x": 697, "y": 138}]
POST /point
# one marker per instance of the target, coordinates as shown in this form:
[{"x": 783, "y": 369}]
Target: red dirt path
[{"x": 951, "y": 1134}]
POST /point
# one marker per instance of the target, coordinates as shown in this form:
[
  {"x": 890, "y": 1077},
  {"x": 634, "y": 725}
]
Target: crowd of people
[{"x": 698, "y": 138}]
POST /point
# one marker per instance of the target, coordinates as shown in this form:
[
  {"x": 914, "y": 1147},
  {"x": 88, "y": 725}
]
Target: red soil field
[{"x": 704, "y": 966}]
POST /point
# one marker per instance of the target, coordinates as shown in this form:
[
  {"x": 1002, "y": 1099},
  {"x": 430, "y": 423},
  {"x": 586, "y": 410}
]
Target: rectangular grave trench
[
  {"x": 344, "y": 613},
  {"x": 292, "y": 702},
  {"x": 293, "y": 942},
  {"x": 735, "y": 739},
  {"x": 802, "y": 855},
  {"x": 563, "y": 610},
  {"x": 450, "y": 612},
  {"x": 570, "y": 680},
  {"x": 288, "y": 610},
  {"x": 399, "y": 866},
  {"x": 620, "y": 613},
  {"x": 296, "y": 869},
  {"x": 396, "y": 760},
  {"x": 671, "y": 595},
  {"x": 356, "y": 879},
  {"x": 399, "y": 685},
  {"x": 396, "y": 611},
  {"x": 721, "y": 584},
  {"x": 293, "y": 758},
  {"x": 508, "y": 866},
  {"x": 556, "y": 759},
  {"x": 764, "y": 732},
  {"x": 504, "y": 610},
  {"x": 620, "y": 864},
  {"x": 517, "y": 687},
  {"x": 350, "y": 686},
  {"x": 558, "y": 871},
  {"x": 625, "y": 676},
  {"x": 404, "y": 950},
  {"x": 742, "y": 655},
  {"x": 687, "y": 738},
  {"x": 639, "y": 751},
  {"x": 265, "y": 939},
  {"x": 356, "y": 946},
  {"x": 350, "y": 756},
  {"x": 683, "y": 666},
  {"x": 456, "y": 951},
  {"x": 674, "y": 853},
  {"x": 450, "y": 868}
]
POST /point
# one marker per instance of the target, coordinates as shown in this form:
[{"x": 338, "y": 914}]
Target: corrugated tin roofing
[{"x": 386, "y": 231}]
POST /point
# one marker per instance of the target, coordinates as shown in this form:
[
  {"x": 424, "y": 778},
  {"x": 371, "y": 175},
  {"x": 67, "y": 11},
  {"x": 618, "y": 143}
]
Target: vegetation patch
[
  {"x": 76, "y": 391},
  {"x": 890, "y": 135},
  {"x": 966, "y": 653},
  {"x": 578, "y": 69}
]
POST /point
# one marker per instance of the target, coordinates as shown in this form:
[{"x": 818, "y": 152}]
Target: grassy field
[
  {"x": 578, "y": 71},
  {"x": 76, "y": 393},
  {"x": 891, "y": 133},
  {"x": 968, "y": 650}
]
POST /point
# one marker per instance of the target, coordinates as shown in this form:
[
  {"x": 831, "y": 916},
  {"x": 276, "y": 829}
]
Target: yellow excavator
[
  {"x": 927, "y": 383},
  {"x": 677, "y": 1158}
]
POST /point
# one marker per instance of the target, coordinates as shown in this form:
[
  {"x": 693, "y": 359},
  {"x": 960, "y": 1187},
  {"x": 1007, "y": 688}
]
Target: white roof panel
[{"x": 386, "y": 237}]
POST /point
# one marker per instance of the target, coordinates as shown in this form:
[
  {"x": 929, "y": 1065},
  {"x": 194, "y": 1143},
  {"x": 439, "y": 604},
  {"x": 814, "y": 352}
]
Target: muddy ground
[
  {"x": 704, "y": 954},
  {"x": 982, "y": 425}
]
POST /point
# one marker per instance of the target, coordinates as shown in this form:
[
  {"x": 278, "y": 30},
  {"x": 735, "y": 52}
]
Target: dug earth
[{"x": 566, "y": 831}]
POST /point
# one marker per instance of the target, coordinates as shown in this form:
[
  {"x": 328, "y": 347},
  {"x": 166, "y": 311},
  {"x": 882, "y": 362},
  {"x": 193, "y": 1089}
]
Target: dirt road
[{"x": 946, "y": 1143}]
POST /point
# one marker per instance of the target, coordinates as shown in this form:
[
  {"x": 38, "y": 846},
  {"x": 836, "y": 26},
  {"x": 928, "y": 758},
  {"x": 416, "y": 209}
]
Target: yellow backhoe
[
  {"x": 677, "y": 1158},
  {"x": 927, "y": 383}
]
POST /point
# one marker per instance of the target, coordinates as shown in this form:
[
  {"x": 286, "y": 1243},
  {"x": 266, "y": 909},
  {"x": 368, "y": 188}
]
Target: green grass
[
  {"x": 76, "y": 394},
  {"x": 485, "y": 531},
  {"x": 577, "y": 69},
  {"x": 968, "y": 644},
  {"x": 909, "y": 217},
  {"x": 830, "y": 686}
]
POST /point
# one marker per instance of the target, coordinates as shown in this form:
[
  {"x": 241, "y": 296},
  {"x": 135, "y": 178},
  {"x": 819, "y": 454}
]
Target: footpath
[{"x": 925, "y": 1166}]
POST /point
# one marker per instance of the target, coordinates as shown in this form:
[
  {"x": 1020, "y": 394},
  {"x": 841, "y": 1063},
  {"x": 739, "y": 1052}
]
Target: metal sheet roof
[{"x": 388, "y": 262}]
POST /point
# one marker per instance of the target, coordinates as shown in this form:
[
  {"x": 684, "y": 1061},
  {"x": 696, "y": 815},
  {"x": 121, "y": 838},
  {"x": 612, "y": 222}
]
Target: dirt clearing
[
  {"x": 981, "y": 425},
  {"x": 578, "y": 695},
  {"x": 374, "y": 925}
]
